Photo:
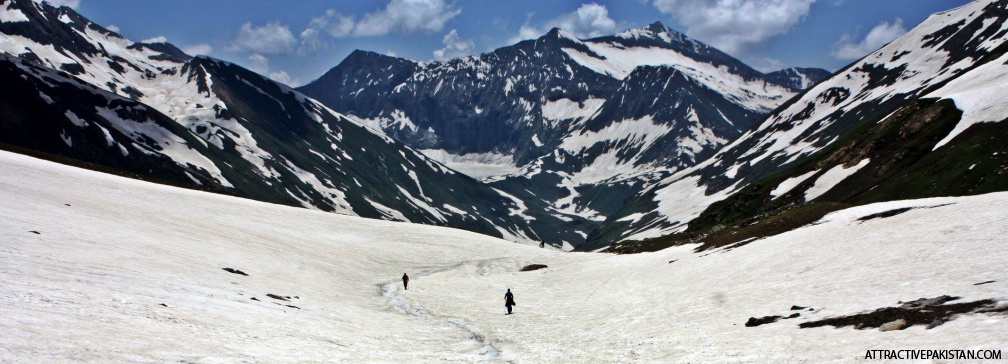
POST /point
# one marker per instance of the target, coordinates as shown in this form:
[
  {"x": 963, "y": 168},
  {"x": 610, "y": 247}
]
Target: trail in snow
[{"x": 394, "y": 297}]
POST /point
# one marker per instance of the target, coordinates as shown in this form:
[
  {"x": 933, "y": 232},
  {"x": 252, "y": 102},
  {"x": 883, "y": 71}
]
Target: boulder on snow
[
  {"x": 235, "y": 271},
  {"x": 532, "y": 267},
  {"x": 276, "y": 297},
  {"x": 899, "y": 324},
  {"x": 753, "y": 322}
]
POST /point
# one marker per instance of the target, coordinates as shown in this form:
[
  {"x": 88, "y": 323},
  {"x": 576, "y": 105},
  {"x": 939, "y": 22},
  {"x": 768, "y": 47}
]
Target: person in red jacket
[{"x": 405, "y": 281}]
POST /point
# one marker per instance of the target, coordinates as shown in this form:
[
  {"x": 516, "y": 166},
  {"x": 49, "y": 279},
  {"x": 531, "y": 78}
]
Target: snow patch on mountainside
[
  {"x": 566, "y": 205},
  {"x": 679, "y": 203},
  {"x": 169, "y": 144},
  {"x": 974, "y": 92},
  {"x": 8, "y": 15},
  {"x": 564, "y": 109},
  {"x": 619, "y": 61},
  {"x": 790, "y": 183},
  {"x": 830, "y": 179},
  {"x": 475, "y": 165}
]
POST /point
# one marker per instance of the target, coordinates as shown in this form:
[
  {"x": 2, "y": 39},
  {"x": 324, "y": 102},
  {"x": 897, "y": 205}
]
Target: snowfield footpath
[{"x": 104, "y": 269}]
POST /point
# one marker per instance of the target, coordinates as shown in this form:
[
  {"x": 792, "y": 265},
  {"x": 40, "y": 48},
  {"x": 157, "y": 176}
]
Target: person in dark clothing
[
  {"x": 405, "y": 281},
  {"x": 509, "y": 301}
]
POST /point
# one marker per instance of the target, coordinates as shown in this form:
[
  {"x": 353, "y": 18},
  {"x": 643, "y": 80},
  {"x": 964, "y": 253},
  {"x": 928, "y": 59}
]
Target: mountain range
[{"x": 571, "y": 127}]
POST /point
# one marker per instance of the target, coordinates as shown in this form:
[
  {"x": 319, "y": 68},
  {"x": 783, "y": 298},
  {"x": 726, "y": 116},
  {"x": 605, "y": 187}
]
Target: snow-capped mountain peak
[
  {"x": 560, "y": 34},
  {"x": 655, "y": 31}
]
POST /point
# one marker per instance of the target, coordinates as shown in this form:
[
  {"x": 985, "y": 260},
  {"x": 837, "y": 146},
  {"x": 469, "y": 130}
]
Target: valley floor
[{"x": 104, "y": 269}]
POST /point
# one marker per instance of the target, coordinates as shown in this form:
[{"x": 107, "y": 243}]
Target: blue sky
[{"x": 297, "y": 41}]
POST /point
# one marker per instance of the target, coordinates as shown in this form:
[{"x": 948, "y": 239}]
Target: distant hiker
[
  {"x": 509, "y": 301},
  {"x": 542, "y": 244},
  {"x": 405, "y": 281}
]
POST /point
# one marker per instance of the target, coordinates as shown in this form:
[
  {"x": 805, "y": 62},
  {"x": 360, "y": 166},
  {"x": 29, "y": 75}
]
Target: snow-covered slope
[
  {"x": 108, "y": 100},
  {"x": 935, "y": 59},
  {"x": 105, "y": 269},
  {"x": 940, "y": 48}
]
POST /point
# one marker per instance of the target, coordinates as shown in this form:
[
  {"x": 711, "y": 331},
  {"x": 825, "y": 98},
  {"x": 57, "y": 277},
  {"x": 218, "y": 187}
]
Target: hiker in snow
[
  {"x": 542, "y": 244},
  {"x": 405, "y": 281},
  {"x": 509, "y": 300}
]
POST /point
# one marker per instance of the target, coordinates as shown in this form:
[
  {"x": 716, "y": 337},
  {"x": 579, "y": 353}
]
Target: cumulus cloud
[
  {"x": 454, "y": 47},
  {"x": 331, "y": 23},
  {"x": 198, "y": 49},
  {"x": 260, "y": 64},
  {"x": 588, "y": 21},
  {"x": 524, "y": 33},
  {"x": 73, "y": 4},
  {"x": 407, "y": 16},
  {"x": 734, "y": 25},
  {"x": 272, "y": 38},
  {"x": 311, "y": 41},
  {"x": 282, "y": 77},
  {"x": 335, "y": 24},
  {"x": 157, "y": 39},
  {"x": 848, "y": 47},
  {"x": 113, "y": 28},
  {"x": 768, "y": 64}
]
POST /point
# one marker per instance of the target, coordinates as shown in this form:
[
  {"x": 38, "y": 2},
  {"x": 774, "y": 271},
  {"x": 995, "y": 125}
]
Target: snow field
[
  {"x": 90, "y": 286},
  {"x": 831, "y": 178},
  {"x": 971, "y": 94}
]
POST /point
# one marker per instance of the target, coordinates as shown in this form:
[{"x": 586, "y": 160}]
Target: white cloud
[
  {"x": 848, "y": 48},
  {"x": 272, "y": 38},
  {"x": 406, "y": 16},
  {"x": 113, "y": 28},
  {"x": 73, "y": 4},
  {"x": 454, "y": 47},
  {"x": 335, "y": 24},
  {"x": 157, "y": 39},
  {"x": 311, "y": 41},
  {"x": 258, "y": 63},
  {"x": 588, "y": 21},
  {"x": 283, "y": 77},
  {"x": 198, "y": 49},
  {"x": 767, "y": 64},
  {"x": 734, "y": 25},
  {"x": 524, "y": 33},
  {"x": 390, "y": 53}
]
